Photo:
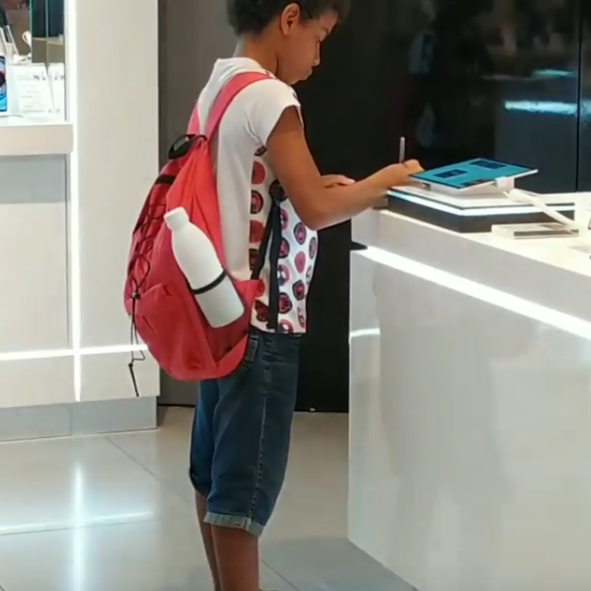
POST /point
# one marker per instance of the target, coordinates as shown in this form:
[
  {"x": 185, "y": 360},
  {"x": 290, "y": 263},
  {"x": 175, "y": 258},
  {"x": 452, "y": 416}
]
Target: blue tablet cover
[
  {"x": 3, "y": 95},
  {"x": 471, "y": 173}
]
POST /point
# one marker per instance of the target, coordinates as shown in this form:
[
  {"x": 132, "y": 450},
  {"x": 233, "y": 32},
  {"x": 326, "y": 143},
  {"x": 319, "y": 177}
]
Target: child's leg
[
  {"x": 207, "y": 538},
  {"x": 237, "y": 554},
  {"x": 202, "y": 448},
  {"x": 252, "y": 429}
]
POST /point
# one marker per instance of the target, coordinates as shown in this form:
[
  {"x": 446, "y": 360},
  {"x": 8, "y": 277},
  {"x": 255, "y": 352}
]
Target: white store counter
[{"x": 470, "y": 407}]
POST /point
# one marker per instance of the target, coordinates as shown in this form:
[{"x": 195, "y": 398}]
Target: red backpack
[{"x": 158, "y": 298}]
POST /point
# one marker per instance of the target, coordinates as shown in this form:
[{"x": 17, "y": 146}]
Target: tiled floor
[{"x": 97, "y": 513}]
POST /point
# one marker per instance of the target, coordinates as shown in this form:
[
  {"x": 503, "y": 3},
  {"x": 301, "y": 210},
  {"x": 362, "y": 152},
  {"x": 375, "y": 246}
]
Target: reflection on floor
[{"x": 96, "y": 513}]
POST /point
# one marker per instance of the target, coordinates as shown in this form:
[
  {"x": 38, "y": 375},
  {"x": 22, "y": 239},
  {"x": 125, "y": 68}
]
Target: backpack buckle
[{"x": 180, "y": 148}]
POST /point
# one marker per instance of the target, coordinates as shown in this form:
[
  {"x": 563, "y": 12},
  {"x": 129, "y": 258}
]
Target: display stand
[
  {"x": 478, "y": 208},
  {"x": 29, "y": 91},
  {"x": 34, "y": 123}
]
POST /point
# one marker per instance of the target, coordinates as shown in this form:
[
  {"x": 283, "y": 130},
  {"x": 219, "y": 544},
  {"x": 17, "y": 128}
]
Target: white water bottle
[{"x": 216, "y": 295}]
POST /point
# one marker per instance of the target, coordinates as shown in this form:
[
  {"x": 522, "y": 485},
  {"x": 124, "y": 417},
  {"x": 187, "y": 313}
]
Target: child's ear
[{"x": 290, "y": 17}]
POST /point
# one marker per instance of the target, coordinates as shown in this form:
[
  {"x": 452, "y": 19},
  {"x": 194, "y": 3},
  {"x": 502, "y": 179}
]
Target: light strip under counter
[
  {"x": 74, "y": 353},
  {"x": 479, "y": 291},
  {"x": 553, "y": 273}
]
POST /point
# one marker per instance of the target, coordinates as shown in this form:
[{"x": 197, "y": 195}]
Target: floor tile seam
[
  {"x": 147, "y": 470},
  {"x": 64, "y": 528},
  {"x": 280, "y": 575}
]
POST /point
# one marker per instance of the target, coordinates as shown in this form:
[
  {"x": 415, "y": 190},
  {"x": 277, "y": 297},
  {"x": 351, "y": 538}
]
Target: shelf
[{"x": 34, "y": 137}]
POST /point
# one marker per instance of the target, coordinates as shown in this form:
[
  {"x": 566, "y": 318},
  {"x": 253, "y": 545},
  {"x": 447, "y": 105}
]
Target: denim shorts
[{"x": 241, "y": 433}]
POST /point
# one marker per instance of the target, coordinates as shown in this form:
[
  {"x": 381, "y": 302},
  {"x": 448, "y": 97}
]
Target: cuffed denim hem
[
  {"x": 235, "y": 522},
  {"x": 241, "y": 433}
]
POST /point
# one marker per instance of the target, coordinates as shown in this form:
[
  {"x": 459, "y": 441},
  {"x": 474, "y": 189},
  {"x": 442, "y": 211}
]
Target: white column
[{"x": 112, "y": 73}]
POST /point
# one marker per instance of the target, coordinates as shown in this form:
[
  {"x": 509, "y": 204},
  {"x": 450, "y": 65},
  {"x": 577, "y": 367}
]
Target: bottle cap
[{"x": 176, "y": 219}]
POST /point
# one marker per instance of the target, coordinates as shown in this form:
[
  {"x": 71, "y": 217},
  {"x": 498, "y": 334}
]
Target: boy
[{"x": 241, "y": 433}]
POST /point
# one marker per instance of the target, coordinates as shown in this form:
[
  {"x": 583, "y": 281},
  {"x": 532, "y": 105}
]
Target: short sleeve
[{"x": 264, "y": 102}]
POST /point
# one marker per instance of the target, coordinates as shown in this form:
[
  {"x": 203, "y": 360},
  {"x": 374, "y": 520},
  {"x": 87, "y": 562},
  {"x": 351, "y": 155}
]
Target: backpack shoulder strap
[{"x": 228, "y": 93}]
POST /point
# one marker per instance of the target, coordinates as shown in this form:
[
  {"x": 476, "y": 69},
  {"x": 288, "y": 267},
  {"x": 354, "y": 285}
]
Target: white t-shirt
[{"x": 246, "y": 186}]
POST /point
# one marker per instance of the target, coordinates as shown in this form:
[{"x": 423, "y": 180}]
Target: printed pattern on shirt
[{"x": 297, "y": 257}]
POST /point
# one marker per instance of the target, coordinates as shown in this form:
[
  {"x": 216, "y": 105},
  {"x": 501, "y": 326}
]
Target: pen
[{"x": 402, "y": 150}]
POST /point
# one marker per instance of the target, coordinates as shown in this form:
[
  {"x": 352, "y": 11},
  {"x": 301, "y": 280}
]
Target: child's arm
[{"x": 316, "y": 205}]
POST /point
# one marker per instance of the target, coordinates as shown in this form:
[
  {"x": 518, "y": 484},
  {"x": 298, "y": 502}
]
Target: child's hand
[
  {"x": 336, "y": 180},
  {"x": 398, "y": 175}
]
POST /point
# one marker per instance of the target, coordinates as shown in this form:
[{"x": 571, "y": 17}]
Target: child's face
[{"x": 299, "y": 51}]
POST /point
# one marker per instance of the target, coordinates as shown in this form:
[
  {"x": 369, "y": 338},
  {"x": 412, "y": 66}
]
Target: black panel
[
  {"x": 47, "y": 17},
  {"x": 460, "y": 79},
  {"x": 584, "y": 172},
  {"x": 504, "y": 86},
  {"x": 336, "y": 102}
]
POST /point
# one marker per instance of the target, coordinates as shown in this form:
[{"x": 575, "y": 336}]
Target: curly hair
[{"x": 253, "y": 16}]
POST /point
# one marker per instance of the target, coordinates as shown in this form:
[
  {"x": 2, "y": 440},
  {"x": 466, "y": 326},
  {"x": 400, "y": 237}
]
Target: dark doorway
[{"x": 192, "y": 35}]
